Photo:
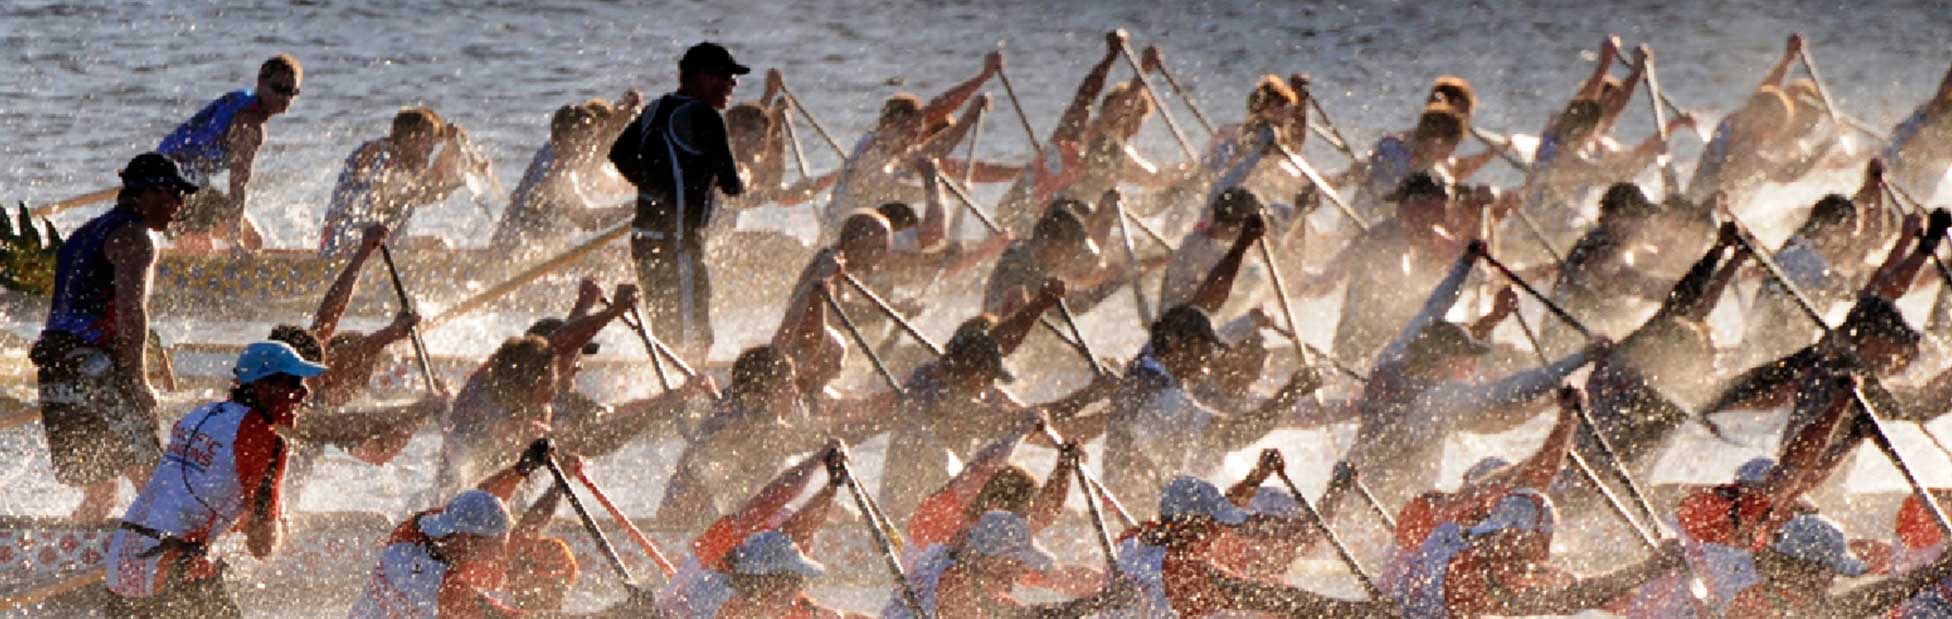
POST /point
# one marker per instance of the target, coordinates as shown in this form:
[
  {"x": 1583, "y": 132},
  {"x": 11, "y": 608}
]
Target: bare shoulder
[{"x": 130, "y": 243}]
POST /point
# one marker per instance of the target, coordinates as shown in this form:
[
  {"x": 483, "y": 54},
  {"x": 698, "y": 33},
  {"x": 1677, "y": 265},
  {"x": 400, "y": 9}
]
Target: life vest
[
  {"x": 84, "y": 280},
  {"x": 202, "y": 143}
]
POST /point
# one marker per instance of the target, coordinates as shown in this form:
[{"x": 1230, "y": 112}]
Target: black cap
[
  {"x": 1420, "y": 184},
  {"x": 711, "y": 58},
  {"x": 151, "y": 170},
  {"x": 1184, "y": 323},
  {"x": 1627, "y": 200},
  {"x": 1235, "y": 205}
]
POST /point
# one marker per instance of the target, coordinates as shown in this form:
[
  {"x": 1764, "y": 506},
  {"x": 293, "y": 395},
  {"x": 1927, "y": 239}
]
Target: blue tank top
[
  {"x": 84, "y": 280},
  {"x": 200, "y": 143}
]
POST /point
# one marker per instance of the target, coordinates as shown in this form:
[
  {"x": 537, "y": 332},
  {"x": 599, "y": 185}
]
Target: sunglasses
[{"x": 284, "y": 91}]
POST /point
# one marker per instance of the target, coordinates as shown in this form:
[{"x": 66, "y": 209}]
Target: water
[{"x": 84, "y": 86}]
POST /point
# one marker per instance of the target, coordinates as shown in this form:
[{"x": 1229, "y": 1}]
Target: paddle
[
  {"x": 1153, "y": 53},
  {"x": 878, "y": 527},
  {"x": 589, "y": 525},
  {"x": 1670, "y": 182},
  {"x": 855, "y": 332},
  {"x": 1315, "y": 178},
  {"x": 635, "y": 321},
  {"x": 1011, "y": 91},
  {"x": 531, "y": 274},
  {"x": 94, "y": 197},
  {"x": 1334, "y": 134},
  {"x": 1906, "y": 203},
  {"x": 975, "y": 135},
  {"x": 1090, "y": 480},
  {"x": 1328, "y": 533},
  {"x": 1699, "y": 132},
  {"x": 36, "y": 595},
  {"x": 967, "y": 202},
  {"x": 1139, "y": 302},
  {"x": 1159, "y": 103},
  {"x": 793, "y": 139},
  {"x": 643, "y": 542},
  {"x": 1822, "y": 91},
  {"x": 1083, "y": 348},
  {"x": 413, "y": 332},
  {"x": 794, "y": 100}
]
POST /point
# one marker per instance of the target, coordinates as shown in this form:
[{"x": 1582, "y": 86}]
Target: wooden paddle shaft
[
  {"x": 1670, "y": 182},
  {"x": 1029, "y": 133},
  {"x": 39, "y": 594},
  {"x": 808, "y": 114},
  {"x": 512, "y": 284},
  {"x": 644, "y": 543},
  {"x": 95, "y": 197},
  {"x": 866, "y": 348},
  {"x": 1102, "y": 535},
  {"x": 635, "y": 321},
  {"x": 413, "y": 332},
  {"x": 589, "y": 523},
  {"x": 1328, "y": 533},
  {"x": 881, "y": 541},
  {"x": 1158, "y": 102},
  {"x": 793, "y": 139},
  {"x": 1188, "y": 100}
]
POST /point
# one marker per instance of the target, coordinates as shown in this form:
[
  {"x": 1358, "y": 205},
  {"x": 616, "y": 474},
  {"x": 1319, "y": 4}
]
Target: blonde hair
[
  {"x": 417, "y": 119},
  {"x": 281, "y": 63},
  {"x": 1271, "y": 92}
]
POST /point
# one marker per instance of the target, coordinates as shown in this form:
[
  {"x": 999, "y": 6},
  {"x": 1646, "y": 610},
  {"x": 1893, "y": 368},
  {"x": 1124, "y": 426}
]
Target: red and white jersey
[
  {"x": 221, "y": 456},
  {"x": 411, "y": 583}
]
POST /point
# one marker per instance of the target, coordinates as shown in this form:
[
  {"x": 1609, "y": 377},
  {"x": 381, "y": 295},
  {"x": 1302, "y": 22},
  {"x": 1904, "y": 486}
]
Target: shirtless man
[
  {"x": 421, "y": 161},
  {"x": 224, "y": 137},
  {"x": 880, "y": 168}
]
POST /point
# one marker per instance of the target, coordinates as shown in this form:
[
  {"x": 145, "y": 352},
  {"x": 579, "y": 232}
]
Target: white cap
[
  {"x": 475, "y": 512},
  {"x": 1003, "y": 534},
  {"x": 1523, "y": 510},
  {"x": 1485, "y": 468},
  {"x": 1274, "y": 502},
  {"x": 1753, "y": 471},
  {"x": 772, "y": 553},
  {"x": 1187, "y": 496},
  {"x": 1812, "y": 538}
]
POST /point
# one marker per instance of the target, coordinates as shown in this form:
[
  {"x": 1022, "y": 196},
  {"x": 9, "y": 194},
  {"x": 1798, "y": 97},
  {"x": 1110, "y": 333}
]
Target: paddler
[
  {"x": 224, "y": 472},
  {"x": 880, "y": 168},
  {"x": 564, "y": 188},
  {"x": 1758, "y": 142},
  {"x": 98, "y": 409},
  {"x": 421, "y": 161},
  {"x": 974, "y": 580},
  {"x": 223, "y": 137}
]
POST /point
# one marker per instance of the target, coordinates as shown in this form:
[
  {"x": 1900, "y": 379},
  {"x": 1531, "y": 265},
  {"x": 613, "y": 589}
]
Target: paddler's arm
[
  {"x": 325, "y": 321},
  {"x": 1243, "y": 491},
  {"x": 1071, "y": 125},
  {"x": 1694, "y": 295},
  {"x": 1894, "y": 278},
  {"x": 1503, "y": 304},
  {"x": 944, "y": 105},
  {"x": 570, "y": 338},
  {"x": 1064, "y": 411},
  {"x": 1609, "y": 49},
  {"x": 1500, "y": 403},
  {"x": 1462, "y": 168},
  {"x": 131, "y": 252},
  {"x": 937, "y": 146},
  {"x": 260, "y": 462},
  {"x": 730, "y": 530},
  {"x": 1791, "y": 51},
  {"x": 805, "y": 189},
  {"x": 538, "y": 513},
  {"x": 1808, "y": 458},
  {"x": 1614, "y": 102},
  {"x": 803, "y": 524},
  {"x": 1436, "y": 305},
  {"x": 1287, "y": 601},
  {"x": 1048, "y": 503},
  {"x": 1011, "y": 329},
  {"x": 504, "y": 482},
  {"x": 245, "y": 138},
  {"x": 1219, "y": 282},
  {"x": 1238, "y": 430},
  {"x": 1539, "y": 469}
]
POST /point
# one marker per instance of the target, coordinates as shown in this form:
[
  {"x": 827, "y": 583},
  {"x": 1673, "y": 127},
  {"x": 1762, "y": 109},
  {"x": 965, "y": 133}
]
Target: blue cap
[{"x": 264, "y": 359}]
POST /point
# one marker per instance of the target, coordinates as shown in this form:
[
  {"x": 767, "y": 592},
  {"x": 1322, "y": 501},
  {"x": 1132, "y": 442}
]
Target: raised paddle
[
  {"x": 589, "y": 524},
  {"x": 1699, "y": 132},
  {"x": 967, "y": 202},
  {"x": 1090, "y": 480},
  {"x": 1906, "y": 203},
  {"x": 1315, "y": 178},
  {"x": 794, "y": 100},
  {"x": 1822, "y": 91},
  {"x": 1011, "y": 91},
  {"x": 94, "y": 197},
  {"x": 643, "y": 543},
  {"x": 878, "y": 529},
  {"x": 1083, "y": 347},
  {"x": 793, "y": 139},
  {"x": 1334, "y": 541},
  {"x": 1333, "y": 135},
  {"x": 1191, "y": 105},
  {"x": 1158, "y": 102},
  {"x": 1139, "y": 302},
  {"x": 1670, "y": 182},
  {"x": 855, "y": 332},
  {"x": 975, "y": 135},
  {"x": 635, "y": 321},
  {"x": 413, "y": 332},
  {"x": 531, "y": 274}
]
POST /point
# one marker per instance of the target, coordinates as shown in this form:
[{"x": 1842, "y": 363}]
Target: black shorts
[
  {"x": 677, "y": 290},
  {"x": 93, "y": 433}
]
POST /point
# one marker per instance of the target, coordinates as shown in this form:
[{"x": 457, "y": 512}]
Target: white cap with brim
[
  {"x": 1812, "y": 538},
  {"x": 1006, "y": 535},
  {"x": 772, "y": 553},
  {"x": 475, "y": 512},
  {"x": 1523, "y": 510},
  {"x": 262, "y": 359},
  {"x": 1187, "y": 496}
]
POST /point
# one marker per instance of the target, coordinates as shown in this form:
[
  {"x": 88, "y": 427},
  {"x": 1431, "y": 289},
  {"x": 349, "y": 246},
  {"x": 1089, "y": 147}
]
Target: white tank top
[{"x": 194, "y": 494}]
